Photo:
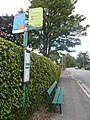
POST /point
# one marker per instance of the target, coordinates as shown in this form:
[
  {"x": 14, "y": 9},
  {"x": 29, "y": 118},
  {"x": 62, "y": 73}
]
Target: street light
[{"x": 62, "y": 60}]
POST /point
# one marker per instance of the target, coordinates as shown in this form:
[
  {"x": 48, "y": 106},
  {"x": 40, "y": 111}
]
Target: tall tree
[
  {"x": 6, "y": 27},
  {"x": 69, "y": 61},
  {"x": 82, "y": 59},
  {"x": 60, "y": 29},
  {"x": 6, "y": 23}
]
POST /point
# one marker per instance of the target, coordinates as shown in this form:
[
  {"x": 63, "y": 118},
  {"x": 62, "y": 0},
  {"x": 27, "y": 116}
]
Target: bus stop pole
[{"x": 25, "y": 39}]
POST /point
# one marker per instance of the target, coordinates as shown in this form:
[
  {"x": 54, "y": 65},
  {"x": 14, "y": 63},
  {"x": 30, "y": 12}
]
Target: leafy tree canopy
[
  {"x": 60, "y": 29},
  {"x": 83, "y": 59},
  {"x": 6, "y": 27},
  {"x": 69, "y": 61},
  {"x": 6, "y": 23}
]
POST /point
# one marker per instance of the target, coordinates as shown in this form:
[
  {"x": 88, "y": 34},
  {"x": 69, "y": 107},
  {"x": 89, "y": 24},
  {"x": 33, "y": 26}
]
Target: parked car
[{"x": 76, "y": 67}]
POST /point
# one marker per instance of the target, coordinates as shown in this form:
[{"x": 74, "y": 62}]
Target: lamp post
[{"x": 62, "y": 60}]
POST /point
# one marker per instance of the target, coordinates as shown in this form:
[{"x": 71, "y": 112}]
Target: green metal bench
[{"x": 56, "y": 95}]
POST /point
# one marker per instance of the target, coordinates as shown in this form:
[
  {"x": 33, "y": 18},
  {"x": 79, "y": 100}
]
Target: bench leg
[{"x": 60, "y": 109}]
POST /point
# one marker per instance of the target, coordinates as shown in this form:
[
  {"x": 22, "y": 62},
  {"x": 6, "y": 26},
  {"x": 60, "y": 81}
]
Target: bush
[
  {"x": 10, "y": 80},
  {"x": 87, "y": 67},
  {"x": 42, "y": 73}
]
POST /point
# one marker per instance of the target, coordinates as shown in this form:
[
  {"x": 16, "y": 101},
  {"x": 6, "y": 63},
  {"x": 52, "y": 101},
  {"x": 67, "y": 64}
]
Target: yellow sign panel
[{"x": 35, "y": 18}]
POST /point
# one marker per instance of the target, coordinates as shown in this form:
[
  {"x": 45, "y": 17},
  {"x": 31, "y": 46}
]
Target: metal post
[
  {"x": 23, "y": 101},
  {"x": 60, "y": 109},
  {"x": 83, "y": 62},
  {"x": 24, "y": 84},
  {"x": 62, "y": 62}
]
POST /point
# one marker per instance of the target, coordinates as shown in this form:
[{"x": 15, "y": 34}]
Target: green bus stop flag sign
[{"x": 35, "y": 18}]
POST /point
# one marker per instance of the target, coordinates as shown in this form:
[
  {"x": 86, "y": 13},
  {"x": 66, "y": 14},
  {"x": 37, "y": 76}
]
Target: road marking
[
  {"x": 83, "y": 88},
  {"x": 88, "y": 90}
]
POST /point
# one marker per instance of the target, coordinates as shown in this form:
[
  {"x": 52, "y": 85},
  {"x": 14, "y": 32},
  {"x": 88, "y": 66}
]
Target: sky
[{"x": 82, "y": 8}]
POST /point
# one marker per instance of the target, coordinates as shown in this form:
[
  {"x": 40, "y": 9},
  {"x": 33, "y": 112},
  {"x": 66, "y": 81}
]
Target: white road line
[
  {"x": 88, "y": 90},
  {"x": 83, "y": 89}
]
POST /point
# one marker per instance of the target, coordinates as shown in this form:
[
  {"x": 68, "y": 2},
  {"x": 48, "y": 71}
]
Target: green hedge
[
  {"x": 10, "y": 79},
  {"x": 42, "y": 73}
]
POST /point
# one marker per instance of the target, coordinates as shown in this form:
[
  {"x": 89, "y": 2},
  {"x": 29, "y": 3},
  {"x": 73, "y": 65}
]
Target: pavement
[{"x": 76, "y": 105}]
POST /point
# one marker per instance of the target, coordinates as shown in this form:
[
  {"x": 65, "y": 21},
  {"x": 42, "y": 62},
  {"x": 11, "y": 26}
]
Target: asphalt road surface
[
  {"x": 76, "y": 103},
  {"x": 82, "y": 75}
]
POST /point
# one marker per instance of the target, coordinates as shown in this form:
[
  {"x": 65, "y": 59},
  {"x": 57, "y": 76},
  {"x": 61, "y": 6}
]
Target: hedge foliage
[
  {"x": 42, "y": 73},
  {"x": 10, "y": 79},
  {"x": 87, "y": 67}
]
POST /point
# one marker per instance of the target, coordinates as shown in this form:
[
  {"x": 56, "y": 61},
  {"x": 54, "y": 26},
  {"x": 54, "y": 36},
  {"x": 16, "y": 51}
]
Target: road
[
  {"x": 82, "y": 75},
  {"x": 76, "y": 101}
]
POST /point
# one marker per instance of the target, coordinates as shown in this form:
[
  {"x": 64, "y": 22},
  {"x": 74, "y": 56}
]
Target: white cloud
[{"x": 12, "y": 6}]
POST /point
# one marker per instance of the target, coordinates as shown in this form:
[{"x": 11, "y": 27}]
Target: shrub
[
  {"x": 42, "y": 73},
  {"x": 87, "y": 67},
  {"x": 10, "y": 80}
]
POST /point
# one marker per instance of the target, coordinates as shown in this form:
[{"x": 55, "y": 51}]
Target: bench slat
[
  {"x": 52, "y": 87},
  {"x": 60, "y": 98},
  {"x": 57, "y": 93},
  {"x": 55, "y": 99}
]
